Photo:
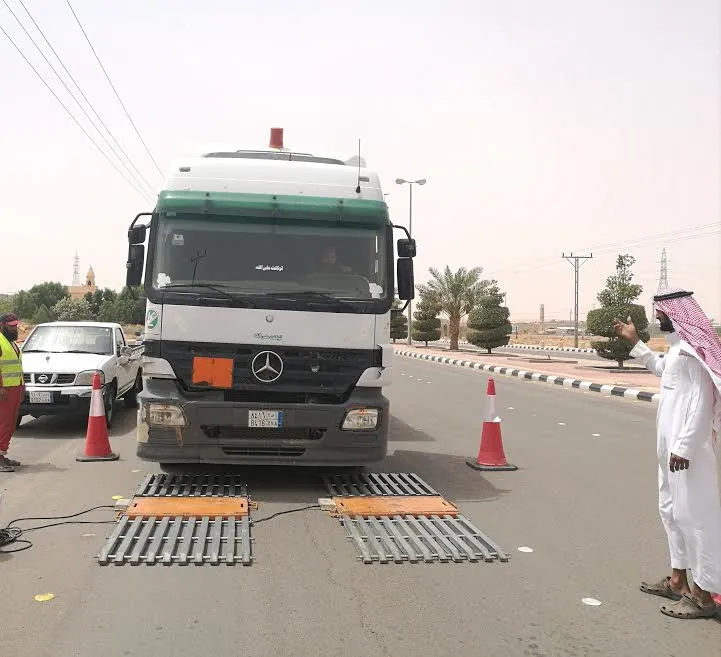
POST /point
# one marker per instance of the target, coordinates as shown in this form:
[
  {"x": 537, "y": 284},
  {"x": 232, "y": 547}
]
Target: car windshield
[
  {"x": 258, "y": 257},
  {"x": 71, "y": 339}
]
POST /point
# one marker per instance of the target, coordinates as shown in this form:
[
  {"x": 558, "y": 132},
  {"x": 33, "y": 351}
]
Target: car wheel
[
  {"x": 131, "y": 397},
  {"x": 109, "y": 403}
]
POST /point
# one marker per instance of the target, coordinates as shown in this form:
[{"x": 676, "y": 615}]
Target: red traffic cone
[
  {"x": 97, "y": 444},
  {"x": 490, "y": 454}
]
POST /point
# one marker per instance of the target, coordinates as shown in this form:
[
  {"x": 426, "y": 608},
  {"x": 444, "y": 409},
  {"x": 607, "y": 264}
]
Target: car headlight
[
  {"x": 86, "y": 378},
  {"x": 165, "y": 415},
  {"x": 360, "y": 419}
]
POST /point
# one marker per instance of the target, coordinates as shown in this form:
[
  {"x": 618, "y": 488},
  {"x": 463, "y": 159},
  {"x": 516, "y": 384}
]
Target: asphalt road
[{"x": 585, "y": 503}]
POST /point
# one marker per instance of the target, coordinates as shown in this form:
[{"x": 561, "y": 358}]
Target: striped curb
[
  {"x": 535, "y": 347},
  {"x": 528, "y": 346},
  {"x": 615, "y": 391}
]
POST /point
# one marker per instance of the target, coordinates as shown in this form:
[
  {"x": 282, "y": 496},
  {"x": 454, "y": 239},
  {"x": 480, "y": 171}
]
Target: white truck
[
  {"x": 269, "y": 278},
  {"x": 60, "y": 360}
]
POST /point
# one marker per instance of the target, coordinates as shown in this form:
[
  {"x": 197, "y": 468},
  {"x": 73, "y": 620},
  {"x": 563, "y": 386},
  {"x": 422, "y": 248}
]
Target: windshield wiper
[
  {"x": 209, "y": 286},
  {"x": 320, "y": 296},
  {"x": 82, "y": 351}
]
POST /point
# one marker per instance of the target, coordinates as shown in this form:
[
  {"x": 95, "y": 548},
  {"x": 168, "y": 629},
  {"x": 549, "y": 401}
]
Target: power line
[
  {"x": 117, "y": 95},
  {"x": 85, "y": 132},
  {"x": 72, "y": 95},
  {"x": 70, "y": 75},
  {"x": 639, "y": 243}
]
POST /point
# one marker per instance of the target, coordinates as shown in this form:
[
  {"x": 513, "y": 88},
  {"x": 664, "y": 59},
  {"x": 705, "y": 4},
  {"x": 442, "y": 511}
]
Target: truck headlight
[
  {"x": 165, "y": 415},
  {"x": 360, "y": 419},
  {"x": 86, "y": 378}
]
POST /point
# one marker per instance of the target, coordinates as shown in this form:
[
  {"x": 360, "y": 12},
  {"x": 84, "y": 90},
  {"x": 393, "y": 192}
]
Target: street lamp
[{"x": 410, "y": 183}]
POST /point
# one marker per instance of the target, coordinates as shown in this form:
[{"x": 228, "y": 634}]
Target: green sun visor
[{"x": 272, "y": 206}]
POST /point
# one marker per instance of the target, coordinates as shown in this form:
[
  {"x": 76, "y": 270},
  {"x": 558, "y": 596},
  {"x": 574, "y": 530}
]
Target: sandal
[
  {"x": 662, "y": 588},
  {"x": 688, "y": 607}
]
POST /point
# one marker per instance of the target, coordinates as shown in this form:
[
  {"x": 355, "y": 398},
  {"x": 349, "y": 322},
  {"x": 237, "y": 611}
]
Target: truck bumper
[
  {"x": 66, "y": 400},
  {"x": 217, "y": 431}
]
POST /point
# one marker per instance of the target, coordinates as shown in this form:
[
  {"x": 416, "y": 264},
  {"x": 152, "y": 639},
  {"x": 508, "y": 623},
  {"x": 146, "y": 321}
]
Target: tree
[
  {"x": 42, "y": 315},
  {"x": 129, "y": 307},
  {"x": 6, "y": 304},
  {"x": 48, "y": 294},
  {"x": 24, "y": 305},
  {"x": 456, "y": 294},
  {"x": 617, "y": 301},
  {"x": 488, "y": 323},
  {"x": 427, "y": 324},
  {"x": 399, "y": 323},
  {"x": 72, "y": 310},
  {"x": 97, "y": 299},
  {"x": 27, "y": 302}
]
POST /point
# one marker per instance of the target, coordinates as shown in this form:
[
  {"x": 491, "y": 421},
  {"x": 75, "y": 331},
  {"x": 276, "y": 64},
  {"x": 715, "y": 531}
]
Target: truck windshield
[
  {"x": 71, "y": 340},
  {"x": 265, "y": 257}
]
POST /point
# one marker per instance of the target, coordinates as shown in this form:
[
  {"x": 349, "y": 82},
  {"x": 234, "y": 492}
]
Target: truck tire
[
  {"x": 131, "y": 397},
  {"x": 109, "y": 404}
]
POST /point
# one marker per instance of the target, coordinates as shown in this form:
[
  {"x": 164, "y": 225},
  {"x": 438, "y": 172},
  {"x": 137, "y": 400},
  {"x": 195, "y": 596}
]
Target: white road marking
[
  {"x": 591, "y": 602},
  {"x": 562, "y": 424},
  {"x": 596, "y": 435}
]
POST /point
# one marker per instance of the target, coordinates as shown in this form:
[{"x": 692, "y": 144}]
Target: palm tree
[{"x": 456, "y": 294}]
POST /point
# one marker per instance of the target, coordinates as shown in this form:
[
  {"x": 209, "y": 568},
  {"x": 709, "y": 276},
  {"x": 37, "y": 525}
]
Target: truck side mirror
[
  {"x": 136, "y": 235},
  {"x": 406, "y": 248},
  {"x": 134, "y": 265},
  {"x": 404, "y": 279}
]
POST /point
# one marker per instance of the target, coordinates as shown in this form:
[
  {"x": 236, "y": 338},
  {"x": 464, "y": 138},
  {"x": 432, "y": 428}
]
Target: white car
[{"x": 60, "y": 360}]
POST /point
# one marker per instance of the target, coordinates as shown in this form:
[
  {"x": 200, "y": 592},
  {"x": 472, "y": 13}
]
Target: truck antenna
[{"x": 358, "y": 189}]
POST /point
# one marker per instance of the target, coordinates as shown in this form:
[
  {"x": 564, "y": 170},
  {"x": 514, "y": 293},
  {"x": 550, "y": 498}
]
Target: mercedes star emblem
[{"x": 267, "y": 366}]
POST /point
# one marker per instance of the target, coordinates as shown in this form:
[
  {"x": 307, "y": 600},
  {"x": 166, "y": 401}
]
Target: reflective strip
[{"x": 10, "y": 365}]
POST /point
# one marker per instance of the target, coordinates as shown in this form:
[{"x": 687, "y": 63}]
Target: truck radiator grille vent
[
  {"x": 264, "y": 451},
  {"x": 253, "y": 433}
]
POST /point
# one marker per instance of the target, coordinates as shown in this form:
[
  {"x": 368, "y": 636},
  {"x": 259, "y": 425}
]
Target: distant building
[{"x": 79, "y": 291}]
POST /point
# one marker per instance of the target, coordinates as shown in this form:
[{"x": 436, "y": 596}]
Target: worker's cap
[{"x": 10, "y": 319}]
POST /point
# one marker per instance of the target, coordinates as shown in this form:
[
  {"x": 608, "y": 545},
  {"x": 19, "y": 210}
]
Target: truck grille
[{"x": 328, "y": 372}]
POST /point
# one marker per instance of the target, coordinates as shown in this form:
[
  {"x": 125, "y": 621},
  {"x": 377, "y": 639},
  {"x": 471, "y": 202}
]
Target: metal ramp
[
  {"x": 183, "y": 519},
  {"x": 400, "y": 518}
]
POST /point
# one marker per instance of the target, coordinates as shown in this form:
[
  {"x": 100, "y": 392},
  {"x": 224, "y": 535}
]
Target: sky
[{"x": 541, "y": 128}]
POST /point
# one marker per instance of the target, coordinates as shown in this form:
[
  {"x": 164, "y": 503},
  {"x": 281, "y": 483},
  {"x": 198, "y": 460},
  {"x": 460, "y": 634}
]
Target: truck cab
[{"x": 269, "y": 278}]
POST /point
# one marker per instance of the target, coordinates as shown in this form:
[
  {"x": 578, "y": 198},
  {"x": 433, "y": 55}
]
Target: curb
[
  {"x": 536, "y": 347},
  {"x": 615, "y": 391}
]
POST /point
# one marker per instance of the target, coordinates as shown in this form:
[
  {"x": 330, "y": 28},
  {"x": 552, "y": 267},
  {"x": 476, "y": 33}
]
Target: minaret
[{"x": 76, "y": 270}]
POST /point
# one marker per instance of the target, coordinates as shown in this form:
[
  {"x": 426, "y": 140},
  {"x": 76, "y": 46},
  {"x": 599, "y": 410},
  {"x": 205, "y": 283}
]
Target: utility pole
[
  {"x": 577, "y": 261},
  {"x": 410, "y": 183}
]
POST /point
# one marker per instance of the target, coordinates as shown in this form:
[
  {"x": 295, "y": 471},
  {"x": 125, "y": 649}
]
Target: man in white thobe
[{"x": 688, "y": 450}]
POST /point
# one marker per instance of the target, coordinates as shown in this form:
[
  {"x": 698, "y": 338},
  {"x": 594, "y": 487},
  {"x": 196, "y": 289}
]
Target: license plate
[
  {"x": 41, "y": 397},
  {"x": 265, "y": 419}
]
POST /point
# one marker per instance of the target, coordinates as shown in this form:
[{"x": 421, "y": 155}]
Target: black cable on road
[{"x": 10, "y": 535}]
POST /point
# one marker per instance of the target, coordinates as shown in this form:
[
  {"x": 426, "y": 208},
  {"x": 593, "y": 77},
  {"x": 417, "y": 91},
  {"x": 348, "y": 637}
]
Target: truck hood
[{"x": 63, "y": 363}]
